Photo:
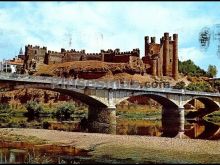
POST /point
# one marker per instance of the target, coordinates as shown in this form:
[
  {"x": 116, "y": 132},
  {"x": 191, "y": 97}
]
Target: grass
[
  {"x": 138, "y": 112},
  {"x": 213, "y": 117},
  {"x": 5, "y": 135},
  {"x": 131, "y": 154}
]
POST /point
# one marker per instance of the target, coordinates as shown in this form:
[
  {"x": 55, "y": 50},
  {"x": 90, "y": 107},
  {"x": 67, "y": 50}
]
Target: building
[
  {"x": 7, "y": 67},
  {"x": 13, "y": 66},
  {"x": 1, "y": 66},
  {"x": 159, "y": 59},
  {"x": 163, "y": 57},
  {"x": 35, "y": 56}
]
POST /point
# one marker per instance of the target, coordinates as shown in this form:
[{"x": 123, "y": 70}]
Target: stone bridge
[{"x": 102, "y": 96}]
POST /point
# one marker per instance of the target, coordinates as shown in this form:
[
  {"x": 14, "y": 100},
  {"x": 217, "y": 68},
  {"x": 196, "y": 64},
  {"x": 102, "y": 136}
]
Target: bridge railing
[{"x": 109, "y": 84}]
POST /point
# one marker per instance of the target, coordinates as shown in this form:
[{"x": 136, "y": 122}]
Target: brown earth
[{"x": 138, "y": 149}]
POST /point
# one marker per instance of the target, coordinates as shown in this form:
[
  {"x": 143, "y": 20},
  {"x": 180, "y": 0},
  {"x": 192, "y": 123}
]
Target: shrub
[
  {"x": 46, "y": 125},
  {"x": 65, "y": 111},
  {"x": 200, "y": 86},
  {"x": 180, "y": 85},
  {"x": 33, "y": 108}
]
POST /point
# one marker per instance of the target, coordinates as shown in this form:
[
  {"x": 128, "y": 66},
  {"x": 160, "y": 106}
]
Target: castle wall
[
  {"x": 93, "y": 56},
  {"x": 163, "y": 57},
  {"x": 72, "y": 56},
  {"x": 35, "y": 53},
  {"x": 170, "y": 60},
  {"x": 107, "y": 57},
  {"x": 119, "y": 57},
  {"x": 160, "y": 65},
  {"x": 54, "y": 57},
  {"x": 166, "y": 54}
]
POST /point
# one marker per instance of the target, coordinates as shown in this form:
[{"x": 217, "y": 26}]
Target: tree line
[{"x": 189, "y": 68}]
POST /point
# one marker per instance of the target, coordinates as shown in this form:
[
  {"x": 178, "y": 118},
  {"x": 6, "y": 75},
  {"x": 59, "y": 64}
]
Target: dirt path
[{"x": 130, "y": 148}]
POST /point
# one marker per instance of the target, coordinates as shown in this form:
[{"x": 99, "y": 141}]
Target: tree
[
  {"x": 180, "y": 85},
  {"x": 65, "y": 111},
  {"x": 189, "y": 68},
  {"x": 212, "y": 71},
  {"x": 33, "y": 108}
]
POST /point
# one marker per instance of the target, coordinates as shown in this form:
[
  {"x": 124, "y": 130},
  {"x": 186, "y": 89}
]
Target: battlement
[
  {"x": 93, "y": 54},
  {"x": 36, "y": 47},
  {"x": 128, "y": 53},
  {"x": 108, "y": 51},
  {"x": 72, "y": 51},
  {"x": 54, "y": 52}
]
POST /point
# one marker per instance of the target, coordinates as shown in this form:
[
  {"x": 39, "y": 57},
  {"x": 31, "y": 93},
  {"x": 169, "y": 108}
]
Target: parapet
[
  {"x": 153, "y": 39},
  {"x": 63, "y": 50},
  {"x": 175, "y": 36},
  {"x": 36, "y": 47},
  {"x": 146, "y": 38},
  {"x": 166, "y": 36}
]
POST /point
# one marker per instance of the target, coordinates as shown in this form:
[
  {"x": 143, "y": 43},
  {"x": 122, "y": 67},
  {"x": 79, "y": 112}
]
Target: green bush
[
  {"x": 180, "y": 85},
  {"x": 33, "y": 108},
  {"x": 200, "y": 86},
  {"x": 65, "y": 111}
]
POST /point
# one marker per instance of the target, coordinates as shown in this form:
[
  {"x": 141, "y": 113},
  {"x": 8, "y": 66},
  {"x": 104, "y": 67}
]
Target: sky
[{"x": 109, "y": 25}]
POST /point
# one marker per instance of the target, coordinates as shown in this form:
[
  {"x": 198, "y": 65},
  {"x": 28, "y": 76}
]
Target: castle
[{"x": 162, "y": 58}]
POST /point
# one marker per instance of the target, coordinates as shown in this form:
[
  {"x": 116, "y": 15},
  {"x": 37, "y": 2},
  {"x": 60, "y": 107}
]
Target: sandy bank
[{"x": 125, "y": 147}]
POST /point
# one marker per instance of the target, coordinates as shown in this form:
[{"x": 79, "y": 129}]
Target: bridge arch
[
  {"x": 159, "y": 98},
  {"x": 209, "y": 103},
  {"x": 77, "y": 93},
  {"x": 101, "y": 118}
]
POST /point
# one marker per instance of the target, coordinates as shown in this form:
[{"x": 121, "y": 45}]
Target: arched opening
[
  {"x": 200, "y": 106},
  {"x": 83, "y": 98},
  {"x": 144, "y": 115}
]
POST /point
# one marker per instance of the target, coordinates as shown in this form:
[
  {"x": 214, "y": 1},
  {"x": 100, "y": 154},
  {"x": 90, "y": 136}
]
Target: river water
[{"x": 192, "y": 129}]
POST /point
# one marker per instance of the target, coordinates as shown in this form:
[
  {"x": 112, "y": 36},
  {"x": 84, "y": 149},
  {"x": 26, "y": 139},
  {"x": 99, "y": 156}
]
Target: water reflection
[
  {"x": 12, "y": 155},
  {"x": 202, "y": 130},
  {"x": 20, "y": 156},
  {"x": 169, "y": 128}
]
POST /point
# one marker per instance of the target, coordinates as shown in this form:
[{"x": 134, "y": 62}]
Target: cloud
[
  {"x": 102, "y": 25},
  {"x": 191, "y": 53}
]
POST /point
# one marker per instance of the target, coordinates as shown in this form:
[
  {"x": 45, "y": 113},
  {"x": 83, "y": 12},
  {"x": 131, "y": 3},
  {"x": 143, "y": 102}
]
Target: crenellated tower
[{"x": 162, "y": 57}]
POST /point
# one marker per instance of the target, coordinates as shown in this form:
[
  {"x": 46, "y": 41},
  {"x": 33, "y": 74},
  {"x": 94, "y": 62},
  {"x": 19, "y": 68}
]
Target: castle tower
[
  {"x": 146, "y": 45},
  {"x": 153, "y": 40},
  {"x": 154, "y": 67},
  {"x": 175, "y": 56},
  {"x": 166, "y": 54}
]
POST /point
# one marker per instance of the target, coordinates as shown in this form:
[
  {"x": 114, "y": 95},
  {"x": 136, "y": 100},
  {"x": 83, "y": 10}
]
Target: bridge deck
[{"x": 100, "y": 84}]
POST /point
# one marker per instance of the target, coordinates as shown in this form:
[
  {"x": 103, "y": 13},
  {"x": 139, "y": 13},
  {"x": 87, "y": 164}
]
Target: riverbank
[{"x": 125, "y": 148}]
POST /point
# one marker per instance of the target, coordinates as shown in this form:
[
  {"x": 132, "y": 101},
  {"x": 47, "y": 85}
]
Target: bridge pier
[
  {"x": 181, "y": 123},
  {"x": 173, "y": 121},
  {"x": 102, "y": 120}
]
